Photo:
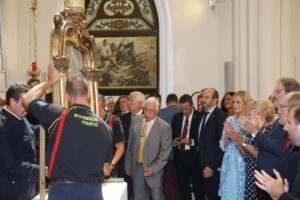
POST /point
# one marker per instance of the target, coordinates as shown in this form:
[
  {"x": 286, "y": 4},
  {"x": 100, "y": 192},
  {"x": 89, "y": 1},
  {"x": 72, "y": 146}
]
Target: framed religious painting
[
  {"x": 127, "y": 63},
  {"x": 127, "y": 45}
]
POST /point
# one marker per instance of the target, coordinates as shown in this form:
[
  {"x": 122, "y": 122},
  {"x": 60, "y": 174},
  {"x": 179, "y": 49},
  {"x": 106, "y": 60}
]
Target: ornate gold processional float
[{"x": 72, "y": 51}]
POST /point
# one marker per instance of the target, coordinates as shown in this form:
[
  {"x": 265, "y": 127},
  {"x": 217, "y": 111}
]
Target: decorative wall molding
[{"x": 166, "y": 81}]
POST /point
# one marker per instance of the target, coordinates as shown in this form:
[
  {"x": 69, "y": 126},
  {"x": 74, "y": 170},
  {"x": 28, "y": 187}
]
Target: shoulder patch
[{"x": 41, "y": 103}]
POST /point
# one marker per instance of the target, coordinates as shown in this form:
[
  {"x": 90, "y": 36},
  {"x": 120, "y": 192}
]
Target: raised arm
[{"x": 39, "y": 90}]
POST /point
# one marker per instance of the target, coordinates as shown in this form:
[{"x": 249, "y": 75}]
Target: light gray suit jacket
[{"x": 156, "y": 150}]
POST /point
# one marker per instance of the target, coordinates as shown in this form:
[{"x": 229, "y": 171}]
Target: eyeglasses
[
  {"x": 276, "y": 91},
  {"x": 279, "y": 106}
]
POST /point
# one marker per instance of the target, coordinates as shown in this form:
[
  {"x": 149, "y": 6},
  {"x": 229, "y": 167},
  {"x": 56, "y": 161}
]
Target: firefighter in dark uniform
[
  {"x": 18, "y": 169},
  {"x": 79, "y": 141}
]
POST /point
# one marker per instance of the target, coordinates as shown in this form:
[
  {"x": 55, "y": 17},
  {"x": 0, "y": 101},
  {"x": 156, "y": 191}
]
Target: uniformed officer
[
  {"x": 79, "y": 141},
  {"x": 18, "y": 170}
]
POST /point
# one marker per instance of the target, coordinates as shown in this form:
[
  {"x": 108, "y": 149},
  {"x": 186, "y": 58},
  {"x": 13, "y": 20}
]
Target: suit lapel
[
  {"x": 138, "y": 131},
  {"x": 210, "y": 119},
  {"x": 297, "y": 181},
  {"x": 284, "y": 157},
  {"x": 180, "y": 119},
  {"x": 151, "y": 133},
  {"x": 193, "y": 125}
]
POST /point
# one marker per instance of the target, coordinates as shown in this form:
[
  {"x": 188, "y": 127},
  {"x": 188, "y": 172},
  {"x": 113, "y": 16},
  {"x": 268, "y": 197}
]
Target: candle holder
[{"x": 33, "y": 70}]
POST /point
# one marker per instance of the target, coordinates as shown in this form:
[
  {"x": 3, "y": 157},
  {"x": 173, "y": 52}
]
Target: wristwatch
[
  {"x": 244, "y": 144},
  {"x": 254, "y": 134},
  {"x": 113, "y": 165}
]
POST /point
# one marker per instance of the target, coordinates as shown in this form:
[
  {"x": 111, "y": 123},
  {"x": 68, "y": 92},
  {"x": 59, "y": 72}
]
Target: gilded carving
[{"x": 70, "y": 35}]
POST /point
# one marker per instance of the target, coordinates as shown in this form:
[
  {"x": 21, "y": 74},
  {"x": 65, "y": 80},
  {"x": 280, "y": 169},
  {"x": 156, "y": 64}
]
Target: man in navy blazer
[
  {"x": 277, "y": 187},
  {"x": 18, "y": 171},
  {"x": 185, "y": 145},
  {"x": 286, "y": 165},
  {"x": 210, "y": 132},
  {"x": 271, "y": 145}
]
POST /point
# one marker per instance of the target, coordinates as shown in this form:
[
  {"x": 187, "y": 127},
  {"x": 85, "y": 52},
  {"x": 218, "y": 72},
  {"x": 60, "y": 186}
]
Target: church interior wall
[{"x": 202, "y": 42}]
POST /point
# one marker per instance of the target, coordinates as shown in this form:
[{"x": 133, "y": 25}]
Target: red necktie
[
  {"x": 286, "y": 143},
  {"x": 184, "y": 132}
]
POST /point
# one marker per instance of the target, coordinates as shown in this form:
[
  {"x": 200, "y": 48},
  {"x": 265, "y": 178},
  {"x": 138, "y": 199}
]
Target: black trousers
[{"x": 187, "y": 175}]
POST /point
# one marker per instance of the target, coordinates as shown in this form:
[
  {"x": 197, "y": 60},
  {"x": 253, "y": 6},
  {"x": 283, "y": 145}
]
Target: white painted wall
[
  {"x": 202, "y": 41},
  {"x": 296, "y": 38},
  {"x": 17, "y": 21}
]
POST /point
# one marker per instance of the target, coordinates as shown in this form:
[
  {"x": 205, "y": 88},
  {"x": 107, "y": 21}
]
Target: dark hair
[
  {"x": 16, "y": 91},
  {"x": 77, "y": 86},
  {"x": 32, "y": 80},
  {"x": 223, "y": 99},
  {"x": 123, "y": 96},
  {"x": 186, "y": 98},
  {"x": 289, "y": 84},
  {"x": 172, "y": 98},
  {"x": 117, "y": 108}
]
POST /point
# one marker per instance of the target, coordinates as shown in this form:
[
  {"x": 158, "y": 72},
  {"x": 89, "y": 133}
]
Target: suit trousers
[
  {"x": 141, "y": 189},
  {"x": 188, "y": 174},
  {"x": 210, "y": 187}
]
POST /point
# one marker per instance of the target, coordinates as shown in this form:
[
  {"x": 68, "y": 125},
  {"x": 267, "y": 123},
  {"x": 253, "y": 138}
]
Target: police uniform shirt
[
  {"x": 18, "y": 171},
  {"x": 85, "y": 143},
  {"x": 19, "y": 159}
]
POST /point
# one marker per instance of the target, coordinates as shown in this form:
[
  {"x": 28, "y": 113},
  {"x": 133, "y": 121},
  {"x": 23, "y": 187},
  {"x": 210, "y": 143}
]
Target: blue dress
[{"x": 232, "y": 180}]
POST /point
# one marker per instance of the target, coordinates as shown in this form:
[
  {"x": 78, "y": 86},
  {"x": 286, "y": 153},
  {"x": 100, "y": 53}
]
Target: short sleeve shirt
[{"x": 85, "y": 143}]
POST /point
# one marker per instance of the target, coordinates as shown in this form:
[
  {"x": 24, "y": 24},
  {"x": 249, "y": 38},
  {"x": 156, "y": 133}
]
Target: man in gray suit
[{"x": 149, "y": 146}]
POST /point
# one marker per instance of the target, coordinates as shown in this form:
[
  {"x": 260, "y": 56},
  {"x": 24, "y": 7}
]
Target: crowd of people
[{"x": 244, "y": 149}]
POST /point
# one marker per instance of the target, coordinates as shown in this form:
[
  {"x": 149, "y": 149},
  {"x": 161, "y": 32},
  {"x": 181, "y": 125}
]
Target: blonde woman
[
  {"x": 232, "y": 181},
  {"x": 262, "y": 113}
]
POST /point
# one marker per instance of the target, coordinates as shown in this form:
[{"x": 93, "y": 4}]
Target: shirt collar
[
  {"x": 150, "y": 122},
  {"x": 140, "y": 112},
  {"x": 211, "y": 110},
  {"x": 191, "y": 115},
  {"x": 5, "y": 108}
]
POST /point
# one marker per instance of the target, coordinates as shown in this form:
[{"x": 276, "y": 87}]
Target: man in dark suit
[
  {"x": 277, "y": 187},
  {"x": 272, "y": 145},
  {"x": 286, "y": 164},
  {"x": 18, "y": 170},
  {"x": 170, "y": 183},
  {"x": 136, "y": 103},
  {"x": 185, "y": 141},
  {"x": 210, "y": 132},
  {"x": 149, "y": 147}
]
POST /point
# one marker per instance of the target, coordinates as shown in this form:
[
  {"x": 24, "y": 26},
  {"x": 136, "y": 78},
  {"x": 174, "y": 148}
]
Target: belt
[
  {"x": 67, "y": 181},
  {"x": 62, "y": 181}
]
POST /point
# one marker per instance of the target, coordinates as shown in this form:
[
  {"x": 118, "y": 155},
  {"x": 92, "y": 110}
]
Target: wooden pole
[{"x": 42, "y": 184}]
